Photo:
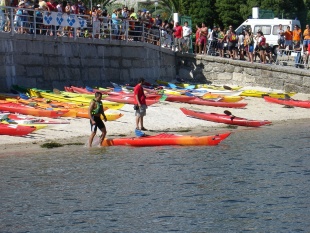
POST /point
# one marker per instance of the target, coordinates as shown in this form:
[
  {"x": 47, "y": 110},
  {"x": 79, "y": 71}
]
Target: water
[{"x": 255, "y": 181}]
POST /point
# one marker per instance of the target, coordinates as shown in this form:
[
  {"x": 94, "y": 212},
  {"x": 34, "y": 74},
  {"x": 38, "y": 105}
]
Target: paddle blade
[
  {"x": 89, "y": 89},
  {"x": 189, "y": 94},
  {"x": 139, "y": 133},
  {"x": 227, "y": 87},
  {"x": 56, "y": 91},
  {"x": 163, "y": 97},
  {"x": 228, "y": 113},
  {"x": 23, "y": 96}
]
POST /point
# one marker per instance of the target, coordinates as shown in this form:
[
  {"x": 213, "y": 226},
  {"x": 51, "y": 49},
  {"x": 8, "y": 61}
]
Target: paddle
[
  {"x": 23, "y": 96},
  {"x": 56, "y": 91},
  {"x": 227, "y": 87},
  {"x": 139, "y": 133},
  {"x": 163, "y": 97},
  {"x": 228, "y": 113},
  {"x": 89, "y": 89}
]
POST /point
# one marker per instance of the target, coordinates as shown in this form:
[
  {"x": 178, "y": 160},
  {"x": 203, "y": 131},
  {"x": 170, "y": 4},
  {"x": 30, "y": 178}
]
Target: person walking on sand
[
  {"x": 95, "y": 111},
  {"x": 140, "y": 102}
]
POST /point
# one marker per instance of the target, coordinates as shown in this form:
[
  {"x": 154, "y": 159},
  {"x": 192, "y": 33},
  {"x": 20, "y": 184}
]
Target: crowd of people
[
  {"x": 126, "y": 24},
  {"x": 249, "y": 46}
]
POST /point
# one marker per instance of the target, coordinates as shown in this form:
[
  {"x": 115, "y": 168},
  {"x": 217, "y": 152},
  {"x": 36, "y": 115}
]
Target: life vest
[{"x": 98, "y": 109}]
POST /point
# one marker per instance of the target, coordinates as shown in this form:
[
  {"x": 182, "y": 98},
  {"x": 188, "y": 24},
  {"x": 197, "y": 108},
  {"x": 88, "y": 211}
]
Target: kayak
[
  {"x": 223, "y": 98},
  {"x": 32, "y": 120},
  {"x": 165, "y": 139},
  {"x": 180, "y": 98},
  {"x": 289, "y": 102},
  {"x": 261, "y": 94},
  {"x": 131, "y": 99},
  {"x": 79, "y": 100},
  {"x": 15, "y": 130},
  {"x": 223, "y": 118},
  {"x": 28, "y": 110},
  {"x": 213, "y": 103}
]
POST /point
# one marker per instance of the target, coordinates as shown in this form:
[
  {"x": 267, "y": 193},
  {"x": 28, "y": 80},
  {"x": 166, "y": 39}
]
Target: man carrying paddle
[
  {"x": 140, "y": 104},
  {"x": 95, "y": 111}
]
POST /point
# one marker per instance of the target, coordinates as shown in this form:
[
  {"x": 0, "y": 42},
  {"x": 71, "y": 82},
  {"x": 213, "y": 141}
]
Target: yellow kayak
[
  {"x": 218, "y": 87},
  {"x": 79, "y": 100},
  {"x": 223, "y": 98},
  {"x": 261, "y": 94}
]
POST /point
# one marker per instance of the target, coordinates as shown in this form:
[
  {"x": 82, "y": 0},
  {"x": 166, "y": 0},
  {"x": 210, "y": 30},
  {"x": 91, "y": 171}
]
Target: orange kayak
[{"x": 165, "y": 139}]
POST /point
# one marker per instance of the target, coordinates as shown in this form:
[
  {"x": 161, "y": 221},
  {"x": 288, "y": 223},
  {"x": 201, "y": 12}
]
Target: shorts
[
  {"x": 251, "y": 48},
  {"x": 203, "y": 40},
  {"x": 288, "y": 43},
  {"x": 232, "y": 46},
  {"x": 99, "y": 124},
  {"x": 141, "y": 111},
  {"x": 306, "y": 42}
]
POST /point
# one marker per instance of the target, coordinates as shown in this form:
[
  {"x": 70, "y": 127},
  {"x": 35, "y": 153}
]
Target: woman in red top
[
  {"x": 197, "y": 41},
  {"x": 140, "y": 104}
]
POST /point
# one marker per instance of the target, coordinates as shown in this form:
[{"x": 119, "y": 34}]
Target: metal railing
[{"x": 36, "y": 22}]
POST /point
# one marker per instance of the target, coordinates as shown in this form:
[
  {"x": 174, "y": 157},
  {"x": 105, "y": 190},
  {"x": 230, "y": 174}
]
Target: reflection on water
[{"x": 256, "y": 180}]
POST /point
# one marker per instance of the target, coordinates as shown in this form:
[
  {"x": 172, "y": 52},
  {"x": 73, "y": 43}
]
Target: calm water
[{"x": 255, "y": 181}]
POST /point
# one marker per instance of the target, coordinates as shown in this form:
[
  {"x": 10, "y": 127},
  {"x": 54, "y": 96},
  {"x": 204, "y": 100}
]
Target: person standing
[
  {"x": 280, "y": 33},
  {"x": 203, "y": 38},
  {"x": 95, "y": 111},
  {"x": 187, "y": 32},
  {"x": 306, "y": 35},
  {"x": 288, "y": 34},
  {"x": 178, "y": 34},
  {"x": 296, "y": 35},
  {"x": 140, "y": 104}
]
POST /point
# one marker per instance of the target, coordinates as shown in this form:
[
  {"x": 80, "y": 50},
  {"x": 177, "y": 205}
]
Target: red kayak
[
  {"x": 289, "y": 102},
  {"x": 15, "y": 130},
  {"x": 28, "y": 110},
  {"x": 213, "y": 103},
  {"x": 165, "y": 139},
  {"x": 33, "y": 120},
  {"x": 131, "y": 100},
  {"x": 180, "y": 98},
  {"x": 223, "y": 118}
]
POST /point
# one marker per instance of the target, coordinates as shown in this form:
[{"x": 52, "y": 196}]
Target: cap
[
  {"x": 214, "y": 26},
  {"x": 157, "y": 15},
  {"x": 98, "y": 5},
  {"x": 21, "y": 3},
  {"x": 147, "y": 12}
]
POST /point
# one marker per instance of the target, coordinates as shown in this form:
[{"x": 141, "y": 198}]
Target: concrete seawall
[
  {"x": 45, "y": 62},
  {"x": 48, "y": 63},
  {"x": 227, "y": 71}
]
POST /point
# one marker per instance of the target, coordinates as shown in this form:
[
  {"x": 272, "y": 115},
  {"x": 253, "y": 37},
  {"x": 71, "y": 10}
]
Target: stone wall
[
  {"x": 226, "y": 71},
  {"x": 46, "y": 62}
]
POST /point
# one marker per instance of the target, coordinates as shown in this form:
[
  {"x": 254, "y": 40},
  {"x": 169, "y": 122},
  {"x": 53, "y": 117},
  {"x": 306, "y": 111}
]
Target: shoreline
[{"x": 161, "y": 117}]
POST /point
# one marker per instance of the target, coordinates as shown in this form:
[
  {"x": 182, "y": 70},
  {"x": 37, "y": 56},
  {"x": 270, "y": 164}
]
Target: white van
[{"x": 269, "y": 27}]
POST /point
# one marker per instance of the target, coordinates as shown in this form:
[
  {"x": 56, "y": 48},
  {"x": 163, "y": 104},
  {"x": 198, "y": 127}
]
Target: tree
[{"x": 229, "y": 11}]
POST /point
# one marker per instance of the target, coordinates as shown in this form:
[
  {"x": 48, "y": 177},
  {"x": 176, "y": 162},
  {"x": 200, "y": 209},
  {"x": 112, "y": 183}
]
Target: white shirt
[{"x": 187, "y": 31}]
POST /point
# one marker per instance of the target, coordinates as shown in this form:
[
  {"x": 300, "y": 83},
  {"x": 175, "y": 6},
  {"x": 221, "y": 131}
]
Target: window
[
  {"x": 276, "y": 28},
  {"x": 266, "y": 29}
]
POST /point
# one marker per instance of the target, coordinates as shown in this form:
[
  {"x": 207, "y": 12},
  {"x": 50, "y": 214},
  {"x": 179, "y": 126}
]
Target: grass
[{"x": 50, "y": 145}]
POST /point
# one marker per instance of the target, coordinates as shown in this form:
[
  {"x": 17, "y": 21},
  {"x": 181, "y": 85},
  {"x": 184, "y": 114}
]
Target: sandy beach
[{"x": 161, "y": 117}]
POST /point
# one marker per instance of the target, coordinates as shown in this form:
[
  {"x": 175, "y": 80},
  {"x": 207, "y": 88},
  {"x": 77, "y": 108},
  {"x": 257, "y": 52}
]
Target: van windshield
[
  {"x": 265, "y": 29},
  {"x": 276, "y": 28}
]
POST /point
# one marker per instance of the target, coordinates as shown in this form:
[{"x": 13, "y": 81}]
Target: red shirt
[
  {"x": 178, "y": 31},
  {"x": 138, "y": 91},
  {"x": 51, "y": 6}
]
